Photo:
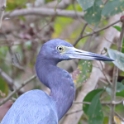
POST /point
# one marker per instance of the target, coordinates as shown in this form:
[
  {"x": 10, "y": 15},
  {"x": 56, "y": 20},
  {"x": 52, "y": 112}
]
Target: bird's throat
[{"x": 60, "y": 83}]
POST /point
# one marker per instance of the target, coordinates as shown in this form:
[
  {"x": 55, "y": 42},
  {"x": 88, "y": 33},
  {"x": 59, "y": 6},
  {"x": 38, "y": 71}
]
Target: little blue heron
[{"x": 35, "y": 106}]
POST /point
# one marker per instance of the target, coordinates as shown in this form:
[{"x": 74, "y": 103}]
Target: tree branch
[
  {"x": 6, "y": 77},
  {"x": 81, "y": 34},
  {"x": 2, "y": 8},
  {"x": 23, "y": 84},
  {"x": 94, "y": 32},
  {"x": 43, "y": 12}
]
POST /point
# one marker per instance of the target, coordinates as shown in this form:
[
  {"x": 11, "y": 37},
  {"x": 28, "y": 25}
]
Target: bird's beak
[{"x": 74, "y": 53}]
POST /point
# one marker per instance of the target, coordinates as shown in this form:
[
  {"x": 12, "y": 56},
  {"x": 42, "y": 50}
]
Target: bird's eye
[{"x": 60, "y": 48}]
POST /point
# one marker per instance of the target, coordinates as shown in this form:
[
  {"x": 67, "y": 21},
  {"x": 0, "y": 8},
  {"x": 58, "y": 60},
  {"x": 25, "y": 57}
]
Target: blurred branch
[
  {"x": 43, "y": 12},
  {"x": 88, "y": 103},
  {"x": 7, "y": 78},
  {"x": 94, "y": 32},
  {"x": 81, "y": 34},
  {"x": 94, "y": 77},
  {"x": 121, "y": 118},
  {"x": 2, "y": 8},
  {"x": 103, "y": 103},
  {"x": 115, "y": 76},
  {"x": 23, "y": 84}
]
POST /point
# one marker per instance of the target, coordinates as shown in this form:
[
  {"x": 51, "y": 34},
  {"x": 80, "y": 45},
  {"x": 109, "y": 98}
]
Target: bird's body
[
  {"x": 35, "y": 106},
  {"x": 36, "y": 112}
]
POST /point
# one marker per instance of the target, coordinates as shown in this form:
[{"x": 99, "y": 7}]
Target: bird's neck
[{"x": 60, "y": 83}]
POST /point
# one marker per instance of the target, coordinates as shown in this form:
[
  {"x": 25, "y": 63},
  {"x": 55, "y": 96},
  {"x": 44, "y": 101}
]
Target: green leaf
[
  {"x": 120, "y": 90},
  {"x": 108, "y": 90},
  {"x": 4, "y": 89},
  {"x": 82, "y": 73},
  {"x": 89, "y": 97},
  {"x": 118, "y": 28},
  {"x": 95, "y": 112},
  {"x": 118, "y": 58},
  {"x": 93, "y": 14},
  {"x": 120, "y": 87},
  {"x": 113, "y": 7},
  {"x": 85, "y": 4}
]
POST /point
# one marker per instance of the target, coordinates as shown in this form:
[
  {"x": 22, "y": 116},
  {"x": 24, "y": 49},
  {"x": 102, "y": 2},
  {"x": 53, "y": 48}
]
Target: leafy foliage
[
  {"x": 85, "y": 4},
  {"x": 94, "y": 110},
  {"x": 93, "y": 14},
  {"x": 113, "y": 7},
  {"x": 96, "y": 9},
  {"x": 120, "y": 90},
  {"x": 118, "y": 58},
  {"x": 82, "y": 72},
  {"x": 118, "y": 28},
  {"x": 41, "y": 29}
]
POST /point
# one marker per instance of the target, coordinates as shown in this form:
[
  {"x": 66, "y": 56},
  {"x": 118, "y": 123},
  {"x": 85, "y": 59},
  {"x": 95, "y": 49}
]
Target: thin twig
[
  {"x": 115, "y": 77},
  {"x": 103, "y": 103},
  {"x": 94, "y": 32},
  {"x": 121, "y": 118},
  {"x": 73, "y": 112},
  {"x": 115, "y": 113},
  {"x": 81, "y": 34},
  {"x": 6, "y": 77},
  {"x": 105, "y": 75},
  {"x": 23, "y": 84}
]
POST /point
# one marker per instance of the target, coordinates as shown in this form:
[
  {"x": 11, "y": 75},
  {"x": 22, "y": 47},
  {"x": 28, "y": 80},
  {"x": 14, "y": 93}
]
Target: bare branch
[
  {"x": 6, "y": 77},
  {"x": 94, "y": 32},
  {"x": 44, "y": 12},
  {"x": 81, "y": 34},
  {"x": 23, "y": 84},
  {"x": 2, "y": 8},
  {"x": 103, "y": 103}
]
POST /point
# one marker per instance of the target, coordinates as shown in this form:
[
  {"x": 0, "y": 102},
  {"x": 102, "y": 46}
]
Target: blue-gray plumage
[{"x": 35, "y": 106}]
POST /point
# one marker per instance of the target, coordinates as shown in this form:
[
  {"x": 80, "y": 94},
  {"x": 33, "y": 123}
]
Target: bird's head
[{"x": 59, "y": 50}]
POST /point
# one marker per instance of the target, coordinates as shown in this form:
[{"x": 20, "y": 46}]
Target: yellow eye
[{"x": 60, "y": 48}]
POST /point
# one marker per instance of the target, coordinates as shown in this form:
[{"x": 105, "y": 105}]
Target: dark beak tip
[{"x": 111, "y": 59}]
